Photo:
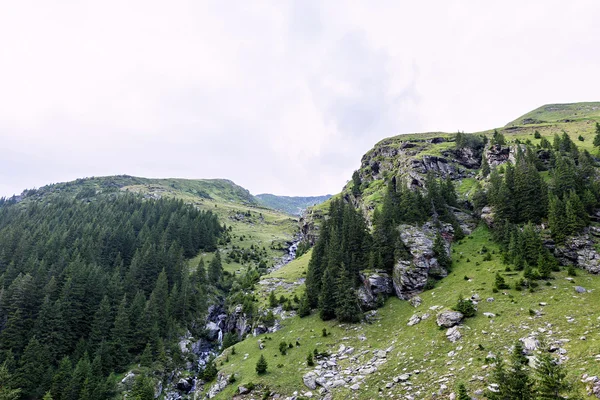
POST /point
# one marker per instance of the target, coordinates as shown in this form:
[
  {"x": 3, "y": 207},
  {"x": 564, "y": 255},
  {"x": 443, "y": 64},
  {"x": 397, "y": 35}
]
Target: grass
[
  {"x": 560, "y": 112},
  {"x": 424, "y": 346}
]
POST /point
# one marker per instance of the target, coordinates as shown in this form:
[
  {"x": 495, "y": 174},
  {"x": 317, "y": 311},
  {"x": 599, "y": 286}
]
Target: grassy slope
[
  {"x": 424, "y": 346},
  {"x": 559, "y": 112}
]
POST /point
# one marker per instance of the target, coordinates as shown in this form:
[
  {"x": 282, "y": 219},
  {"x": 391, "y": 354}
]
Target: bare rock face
[
  {"x": 487, "y": 216},
  {"x": 448, "y": 319},
  {"x": 374, "y": 284},
  {"x": 410, "y": 276},
  {"x": 580, "y": 251},
  {"x": 497, "y": 155}
]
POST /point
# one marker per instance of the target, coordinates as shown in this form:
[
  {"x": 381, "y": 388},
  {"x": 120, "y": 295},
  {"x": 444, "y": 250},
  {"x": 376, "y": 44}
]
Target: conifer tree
[
  {"x": 143, "y": 388},
  {"x": 462, "y": 392},
  {"x": 551, "y": 378},
  {"x": 7, "y": 390},
  {"x": 485, "y": 166},
  {"x": 519, "y": 383},
  {"x": 62, "y": 379},
  {"x": 121, "y": 337},
  {"x": 215, "y": 269},
  {"x": 597, "y": 136},
  {"x": 347, "y": 309},
  {"x": 328, "y": 298},
  {"x": 261, "y": 365}
]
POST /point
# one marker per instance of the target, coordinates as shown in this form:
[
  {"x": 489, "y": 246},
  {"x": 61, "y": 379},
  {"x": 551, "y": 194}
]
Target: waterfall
[{"x": 220, "y": 337}]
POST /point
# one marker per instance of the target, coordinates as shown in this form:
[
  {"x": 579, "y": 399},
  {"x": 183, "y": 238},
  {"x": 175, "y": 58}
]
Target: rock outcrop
[
  {"x": 374, "y": 284},
  {"x": 410, "y": 276},
  {"x": 579, "y": 251}
]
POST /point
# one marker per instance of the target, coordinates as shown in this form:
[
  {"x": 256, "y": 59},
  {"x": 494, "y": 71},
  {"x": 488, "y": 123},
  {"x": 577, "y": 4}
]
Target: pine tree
[
  {"x": 328, "y": 298},
  {"x": 356, "y": 182},
  {"x": 215, "y": 269},
  {"x": 261, "y": 365},
  {"x": 440, "y": 252},
  {"x": 519, "y": 383},
  {"x": 551, "y": 378},
  {"x": 597, "y": 136},
  {"x": 7, "y": 390},
  {"x": 146, "y": 357},
  {"x": 485, "y": 166},
  {"x": 32, "y": 369},
  {"x": 304, "y": 309},
  {"x": 62, "y": 379},
  {"x": 143, "y": 388},
  {"x": 462, "y": 392},
  {"x": 120, "y": 334},
  {"x": 347, "y": 309}
]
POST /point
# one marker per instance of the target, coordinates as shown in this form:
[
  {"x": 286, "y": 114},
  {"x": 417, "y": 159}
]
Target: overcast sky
[{"x": 279, "y": 96}]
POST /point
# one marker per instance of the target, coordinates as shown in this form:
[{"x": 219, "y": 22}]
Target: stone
[
  {"x": 530, "y": 344},
  {"x": 310, "y": 380},
  {"x": 243, "y": 389},
  {"x": 453, "y": 334},
  {"x": 212, "y": 330},
  {"x": 415, "y": 301},
  {"x": 184, "y": 385},
  {"x": 380, "y": 354},
  {"x": 580, "y": 289},
  {"x": 415, "y": 319},
  {"x": 448, "y": 319},
  {"x": 490, "y": 299},
  {"x": 356, "y": 386},
  {"x": 403, "y": 377},
  {"x": 338, "y": 383},
  {"x": 489, "y": 314}
]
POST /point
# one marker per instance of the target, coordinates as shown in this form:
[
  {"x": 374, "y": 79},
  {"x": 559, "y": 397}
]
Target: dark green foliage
[
  {"x": 272, "y": 300},
  {"x": 338, "y": 256},
  {"x": 8, "y": 390},
  {"x": 537, "y": 135},
  {"x": 304, "y": 309},
  {"x": 440, "y": 252},
  {"x": 146, "y": 357},
  {"x": 462, "y": 392},
  {"x": 143, "y": 388},
  {"x": 283, "y": 348},
  {"x": 597, "y": 136},
  {"x": 466, "y": 140},
  {"x": 550, "y": 378},
  {"x": 261, "y": 365},
  {"x": 356, "y": 182},
  {"x": 229, "y": 339},
  {"x": 518, "y": 381},
  {"x": 465, "y": 307},
  {"x": 485, "y": 166},
  {"x": 498, "y": 139},
  {"x": 309, "y": 360},
  {"x": 210, "y": 371},
  {"x": 500, "y": 283},
  {"x": 215, "y": 269},
  {"x": 66, "y": 266}
]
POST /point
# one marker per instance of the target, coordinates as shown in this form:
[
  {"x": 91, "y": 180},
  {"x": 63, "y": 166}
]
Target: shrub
[
  {"x": 283, "y": 348},
  {"x": 465, "y": 307},
  {"x": 309, "y": 360}
]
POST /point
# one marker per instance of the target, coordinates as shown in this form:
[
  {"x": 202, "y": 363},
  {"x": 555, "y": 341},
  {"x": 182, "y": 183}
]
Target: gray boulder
[
  {"x": 580, "y": 289},
  {"x": 310, "y": 380},
  {"x": 453, "y": 334},
  {"x": 448, "y": 319}
]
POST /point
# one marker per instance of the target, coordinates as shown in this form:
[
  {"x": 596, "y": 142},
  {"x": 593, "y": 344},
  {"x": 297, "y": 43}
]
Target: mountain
[
  {"x": 443, "y": 254},
  {"x": 294, "y": 205},
  {"x": 509, "y": 272}
]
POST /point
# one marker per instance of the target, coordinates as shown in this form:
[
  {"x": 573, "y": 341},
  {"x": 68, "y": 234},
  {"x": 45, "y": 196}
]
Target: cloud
[{"x": 281, "y": 97}]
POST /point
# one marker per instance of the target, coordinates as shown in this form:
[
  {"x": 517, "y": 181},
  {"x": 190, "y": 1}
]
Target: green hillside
[{"x": 559, "y": 113}]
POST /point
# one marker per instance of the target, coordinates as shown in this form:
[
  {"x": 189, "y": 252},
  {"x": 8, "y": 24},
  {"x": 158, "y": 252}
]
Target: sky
[{"x": 279, "y": 96}]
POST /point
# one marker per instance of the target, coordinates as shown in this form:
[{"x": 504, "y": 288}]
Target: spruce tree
[
  {"x": 462, "y": 392},
  {"x": 348, "y": 309},
  {"x": 120, "y": 337},
  {"x": 7, "y": 390},
  {"x": 143, "y": 388},
  {"x": 520, "y": 385},
  {"x": 597, "y": 136},
  {"x": 215, "y": 269},
  {"x": 261, "y": 365},
  {"x": 485, "y": 166},
  {"x": 551, "y": 378}
]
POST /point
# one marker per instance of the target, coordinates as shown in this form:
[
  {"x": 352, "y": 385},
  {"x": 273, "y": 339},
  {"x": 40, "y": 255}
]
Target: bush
[
  {"x": 309, "y": 360},
  {"x": 283, "y": 348},
  {"x": 500, "y": 282},
  {"x": 571, "y": 271},
  {"x": 466, "y": 307}
]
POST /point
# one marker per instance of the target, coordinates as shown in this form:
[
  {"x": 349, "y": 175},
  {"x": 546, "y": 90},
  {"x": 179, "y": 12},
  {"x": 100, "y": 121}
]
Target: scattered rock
[
  {"x": 415, "y": 301},
  {"x": 310, "y": 380},
  {"x": 453, "y": 334},
  {"x": 448, "y": 319},
  {"x": 580, "y": 289},
  {"x": 415, "y": 319}
]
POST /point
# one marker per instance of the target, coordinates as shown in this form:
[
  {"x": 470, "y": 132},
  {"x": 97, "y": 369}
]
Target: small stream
[{"x": 216, "y": 323}]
